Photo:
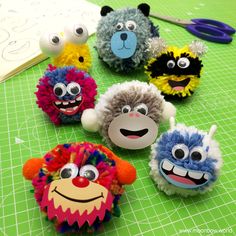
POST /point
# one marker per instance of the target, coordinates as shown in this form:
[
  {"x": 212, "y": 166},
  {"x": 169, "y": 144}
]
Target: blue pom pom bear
[
  {"x": 185, "y": 160},
  {"x": 123, "y": 36}
]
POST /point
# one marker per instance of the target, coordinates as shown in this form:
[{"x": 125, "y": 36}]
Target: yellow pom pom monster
[
  {"x": 175, "y": 71},
  {"x": 68, "y": 48}
]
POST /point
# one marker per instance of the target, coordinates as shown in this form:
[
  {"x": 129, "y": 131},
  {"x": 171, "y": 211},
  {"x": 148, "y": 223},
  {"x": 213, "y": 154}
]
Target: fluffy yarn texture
[
  {"x": 106, "y": 29},
  {"x": 46, "y": 97},
  {"x": 74, "y": 55},
  {"x": 132, "y": 93},
  {"x": 81, "y": 154},
  {"x": 175, "y": 71},
  {"x": 193, "y": 139}
]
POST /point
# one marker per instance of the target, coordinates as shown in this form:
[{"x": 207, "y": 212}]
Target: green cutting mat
[{"x": 25, "y": 131}]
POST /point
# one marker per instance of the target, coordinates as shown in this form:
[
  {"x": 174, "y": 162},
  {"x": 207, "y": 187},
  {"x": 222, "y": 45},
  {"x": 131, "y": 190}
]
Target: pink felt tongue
[
  {"x": 69, "y": 110},
  {"x": 178, "y": 88},
  {"x": 181, "y": 179},
  {"x": 132, "y": 136}
]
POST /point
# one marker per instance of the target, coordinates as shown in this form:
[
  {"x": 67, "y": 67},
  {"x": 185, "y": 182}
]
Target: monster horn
[
  {"x": 126, "y": 173},
  {"x": 212, "y": 131},
  {"x": 31, "y": 167},
  {"x": 172, "y": 123}
]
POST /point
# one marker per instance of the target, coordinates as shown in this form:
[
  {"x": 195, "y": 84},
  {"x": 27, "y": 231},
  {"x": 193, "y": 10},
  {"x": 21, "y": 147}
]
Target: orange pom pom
[
  {"x": 126, "y": 173},
  {"x": 31, "y": 167}
]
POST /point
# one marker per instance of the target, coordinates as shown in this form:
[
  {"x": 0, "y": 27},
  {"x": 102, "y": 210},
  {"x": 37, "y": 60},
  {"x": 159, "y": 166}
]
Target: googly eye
[
  {"x": 198, "y": 154},
  {"x": 89, "y": 171},
  {"x": 170, "y": 64},
  {"x": 51, "y": 44},
  {"x": 119, "y": 26},
  {"x": 130, "y": 25},
  {"x": 76, "y": 33},
  {"x": 126, "y": 109},
  {"x": 69, "y": 170},
  {"x": 180, "y": 151},
  {"x": 183, "y": 62},
  {"x": 142, "y": 108},
  {"x": 73, "y": 88},
  {"x": 59, "y": 89}
]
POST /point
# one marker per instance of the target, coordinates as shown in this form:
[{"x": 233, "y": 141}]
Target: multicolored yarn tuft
[
  {"x": 64, "y": 93},
  {"x": 79, "y": 185}
]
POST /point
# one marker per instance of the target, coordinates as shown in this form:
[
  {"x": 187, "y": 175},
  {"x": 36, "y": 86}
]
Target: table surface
[{"x": 25, "y": 132}]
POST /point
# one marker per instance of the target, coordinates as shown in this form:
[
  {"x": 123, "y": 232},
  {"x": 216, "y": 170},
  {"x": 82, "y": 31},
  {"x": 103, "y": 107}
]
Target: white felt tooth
[
  {"x": 179, "y": 171},
  {"x": 75, "y": 107},
  {"x": 65, "y": 103},
  {"x": 206, "y": 176},
  {"x": 195, "y": 175},
  {"x": 57, "y": 103},
  {"x": 73, "y": 101},
  {"x": 167, "y": 165},
  {"x": 62, "y": 109},
  {"x": 78, "y": 99}
]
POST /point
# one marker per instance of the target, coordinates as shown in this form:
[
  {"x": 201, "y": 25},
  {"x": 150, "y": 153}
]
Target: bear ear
[
  {"x": 105, "y": 10},
  {"x": 144, "y": 8},
  {"x": 31, "y": 167}
]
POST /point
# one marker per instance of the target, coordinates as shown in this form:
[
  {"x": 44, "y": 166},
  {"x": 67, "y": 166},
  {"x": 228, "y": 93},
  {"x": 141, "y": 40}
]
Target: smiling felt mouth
[
  {"x": 77, "y": 200},
  {"x": 133, "y": 134},
  {"x": 178, "y": 85},
  {"x": 69, "y": 107},
  {"x": 184, "y": 176}
]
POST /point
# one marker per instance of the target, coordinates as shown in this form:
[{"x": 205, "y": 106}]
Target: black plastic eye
[
  {"x": 180, "y": 151},
  {"x": 90, "y": 172},
  {"x": 69, "y": 170},
  {"x": 126, "y": 109},
  {"x": 73, "y": 88},
  {"x": 198, "y": 154},
  {"x": 119, "y": 26},
  {"x": 183, "y": 62},
  {"x": 170, "y": 64},
  {"x": 130, "y": 25},
  {"x": 81, "y": 59},
  {"x": 55, "y": 39},
  {"x": 79, "y": 30},
  {"x": 142, "y": 108},
  {"x": 59, "y": 89}
]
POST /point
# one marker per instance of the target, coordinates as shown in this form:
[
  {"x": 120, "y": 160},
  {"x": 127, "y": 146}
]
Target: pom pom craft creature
[
  {"x": 128, "y": 114},
  {"x": 175, "y": 71},
  {"x": 79, "y": 185},
  {"x": 68, "y": 48},
  {"x": 185, "y": 160},
  {"x": 122, "y": 36},
  {"x": 64, "y": 93}
]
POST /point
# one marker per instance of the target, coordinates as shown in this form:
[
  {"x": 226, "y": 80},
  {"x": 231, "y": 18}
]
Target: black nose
[{"x": 123, "y": 36}]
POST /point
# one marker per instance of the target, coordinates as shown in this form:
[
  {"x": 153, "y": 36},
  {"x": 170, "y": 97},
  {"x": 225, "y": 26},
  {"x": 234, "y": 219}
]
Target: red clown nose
[{"x": 80, "y": 182}]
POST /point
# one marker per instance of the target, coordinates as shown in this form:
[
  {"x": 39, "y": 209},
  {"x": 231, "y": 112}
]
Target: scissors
[{"x": 207, "y": 29}]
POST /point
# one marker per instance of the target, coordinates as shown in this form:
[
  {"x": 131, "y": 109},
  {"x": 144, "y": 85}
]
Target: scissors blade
[{"x": 171, "y": 19}]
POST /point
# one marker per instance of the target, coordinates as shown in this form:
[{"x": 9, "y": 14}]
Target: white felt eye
[
  {"x": 130, "y": 25},
  {"x": 73, "y": 88},
  {"x": 126, "y": 109},
  {"x": 198, "y": 154},
  {"x": 69, "y": 170},
  {"x": 180, "y": 151},
  {"x": 183, "y": 62},
  {"x": 89, "y": 171},
  {"x": 119, "y": 26},
  {"x": 59, "y": 89},
  {"x": 51, "y": 44},
  {"x": 142, "y": 108},
  {"x": 76, "y": 33},
  {"x": 170, "y": 64}
]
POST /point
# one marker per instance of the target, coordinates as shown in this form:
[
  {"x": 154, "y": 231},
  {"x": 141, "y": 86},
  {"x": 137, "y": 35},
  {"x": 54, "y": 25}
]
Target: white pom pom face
[
  {"x": 51, "y": 44},
  {"x": 77, "y": 33}
]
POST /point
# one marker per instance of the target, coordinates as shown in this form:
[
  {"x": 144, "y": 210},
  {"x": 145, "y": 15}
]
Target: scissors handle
[
  {"x": 209, "y": 33},
  {"x": 216, "y": 24}
]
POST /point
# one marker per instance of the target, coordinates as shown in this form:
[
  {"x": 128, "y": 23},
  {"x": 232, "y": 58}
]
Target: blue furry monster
[
  {"x": 122, "y": 37},
  {"x": 185, "y": 161}
]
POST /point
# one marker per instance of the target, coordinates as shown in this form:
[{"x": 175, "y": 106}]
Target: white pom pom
[
  {"x": 156, "y": 46},
  {"x": 168, "y": 111},
  {"x": 198, "y": 48},
  {"x": 89, "y": 120}
]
